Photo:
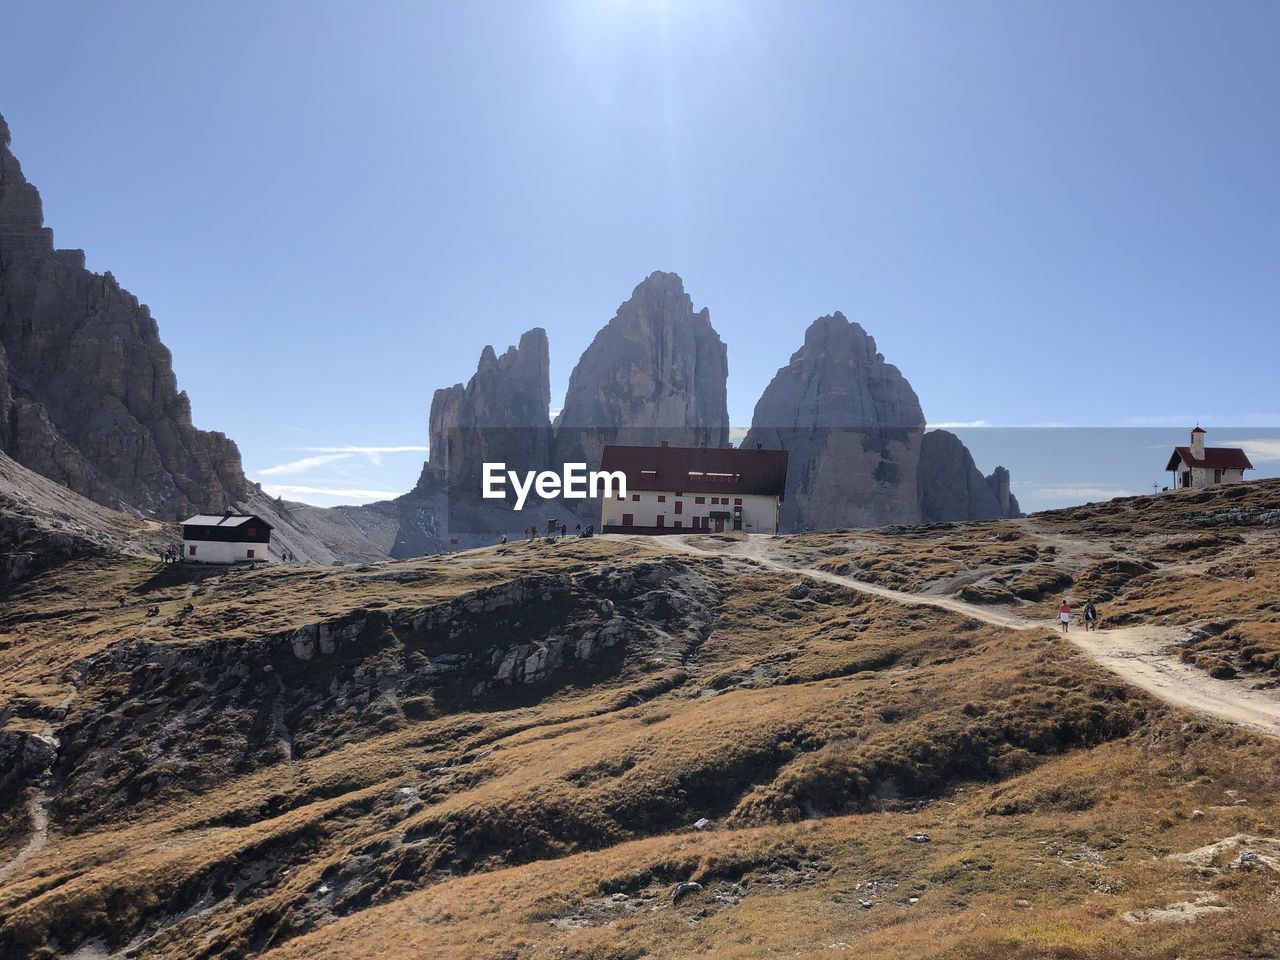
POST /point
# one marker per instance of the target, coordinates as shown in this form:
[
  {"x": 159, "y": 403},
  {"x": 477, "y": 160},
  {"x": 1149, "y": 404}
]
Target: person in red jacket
[{"x": 1064, "y": 615}]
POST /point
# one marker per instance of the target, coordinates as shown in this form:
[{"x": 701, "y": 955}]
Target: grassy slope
[
  {"x": 815, "y": 727},
  {"x": 1208, "y": 560}
]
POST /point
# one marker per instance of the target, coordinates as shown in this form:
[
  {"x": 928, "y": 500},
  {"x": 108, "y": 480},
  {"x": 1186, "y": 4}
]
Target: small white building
[
  {"x": 679, "y": 489},
  {"x": 1199, "y": 466},
  {"x": 225, "y": 538}
]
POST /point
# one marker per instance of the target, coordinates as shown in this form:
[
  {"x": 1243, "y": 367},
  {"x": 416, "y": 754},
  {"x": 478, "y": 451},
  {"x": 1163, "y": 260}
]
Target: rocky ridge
[{"x": 87, "y": 392}]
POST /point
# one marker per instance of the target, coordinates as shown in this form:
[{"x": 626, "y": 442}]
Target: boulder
[{"x": 685, "y": 889}]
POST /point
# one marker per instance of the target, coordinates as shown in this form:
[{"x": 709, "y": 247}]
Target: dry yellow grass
[
  {"x": 349, "y": 805},
  {"x": 1207, "y": 560}
]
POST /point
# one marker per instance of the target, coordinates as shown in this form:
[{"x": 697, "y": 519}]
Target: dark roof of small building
[
  {"x": 700, "y": 469},
  {"x": 1197, "y": 429},
  {"x": 1215, "y": 458},
  {"x": 224, "y": 520}
]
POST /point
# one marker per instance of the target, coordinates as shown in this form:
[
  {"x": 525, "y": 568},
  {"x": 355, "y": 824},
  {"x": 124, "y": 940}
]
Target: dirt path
[
  {"x": 38, "y": 814},
  {"x": 1140, "y": 655},
  {"x": 38, "y": 806}
]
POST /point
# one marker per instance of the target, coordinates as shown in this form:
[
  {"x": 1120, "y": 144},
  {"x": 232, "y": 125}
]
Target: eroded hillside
[{"x": 635, "y": 748}]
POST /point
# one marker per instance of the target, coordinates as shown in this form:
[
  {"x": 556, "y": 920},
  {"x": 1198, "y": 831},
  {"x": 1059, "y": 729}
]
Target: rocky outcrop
[
  {"x": 656, "y": 371},
  {"x": 952, "y": 488},
  {"x": 501, "y": 415},
  {"x": 853, "y": 427},
  {"x": 859, "y": 456},
  {"x": 301, "y": 692},
  {"x": 998, "y": 483},
  {"x": 88, "y": 395}
]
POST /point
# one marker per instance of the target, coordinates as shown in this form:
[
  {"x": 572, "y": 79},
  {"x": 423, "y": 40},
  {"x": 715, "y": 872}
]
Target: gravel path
[{"x": 1141, "y": 655}]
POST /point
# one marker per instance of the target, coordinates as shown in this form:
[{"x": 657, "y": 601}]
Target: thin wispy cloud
[
  {"x": 957, "y": 424},
  {"x": 304, "y": 465},
  {"x": 334, "y": 474},
  {"x": 1075, "y": 492},
  {"x": 346, "y": 493},
  {"x": 325, "y": 456},
  {"x": 374, "y": 453},
  {"x": 364, "y": 450}
]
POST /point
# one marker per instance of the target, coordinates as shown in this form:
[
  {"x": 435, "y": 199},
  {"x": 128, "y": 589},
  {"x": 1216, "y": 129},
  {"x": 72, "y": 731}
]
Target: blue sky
[{"x": 1044, "y": 213}]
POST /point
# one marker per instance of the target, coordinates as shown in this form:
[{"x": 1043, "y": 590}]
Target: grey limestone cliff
[
  {"x": 88, "y": 395},
  {"x": 952, "y": 488},
  {"x": 657, "y": 371},
  {"x": 853, "y": 427},
  {"x": 501, "y": 415}
]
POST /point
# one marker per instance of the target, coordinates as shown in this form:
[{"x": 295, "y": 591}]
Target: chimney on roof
[{"x": 1197, "y": 442}]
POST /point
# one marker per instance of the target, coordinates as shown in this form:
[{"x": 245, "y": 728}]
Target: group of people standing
[
  {"x": 554, "y": 532},
  {"x": 1090, "y": 615},
  {"x": 531, "y": 533}
]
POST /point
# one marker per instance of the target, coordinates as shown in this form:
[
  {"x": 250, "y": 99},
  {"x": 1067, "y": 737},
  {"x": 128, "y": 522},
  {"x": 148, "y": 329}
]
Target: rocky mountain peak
[
  {"x": 500, "y": 415},
  {"x": 88, "y": 396},
  {"x": 859, "y": 453},
  {"x": 658, "y": 368},
  {"x": 852, "y": 425},
  {"x": 837, "y": 330}
]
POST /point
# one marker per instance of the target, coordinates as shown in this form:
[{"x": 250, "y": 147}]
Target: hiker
[
  {"x": 1064, "y": 615},
  {"x": 564, "y": 529},
  {"x": 504, "y": 539},
  {"x": 577, "y": 528},
  {"x": 1090, "y": 617}
]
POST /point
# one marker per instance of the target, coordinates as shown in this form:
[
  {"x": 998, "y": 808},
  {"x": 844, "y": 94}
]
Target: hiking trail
[{"x": 1141, "y": 655}]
